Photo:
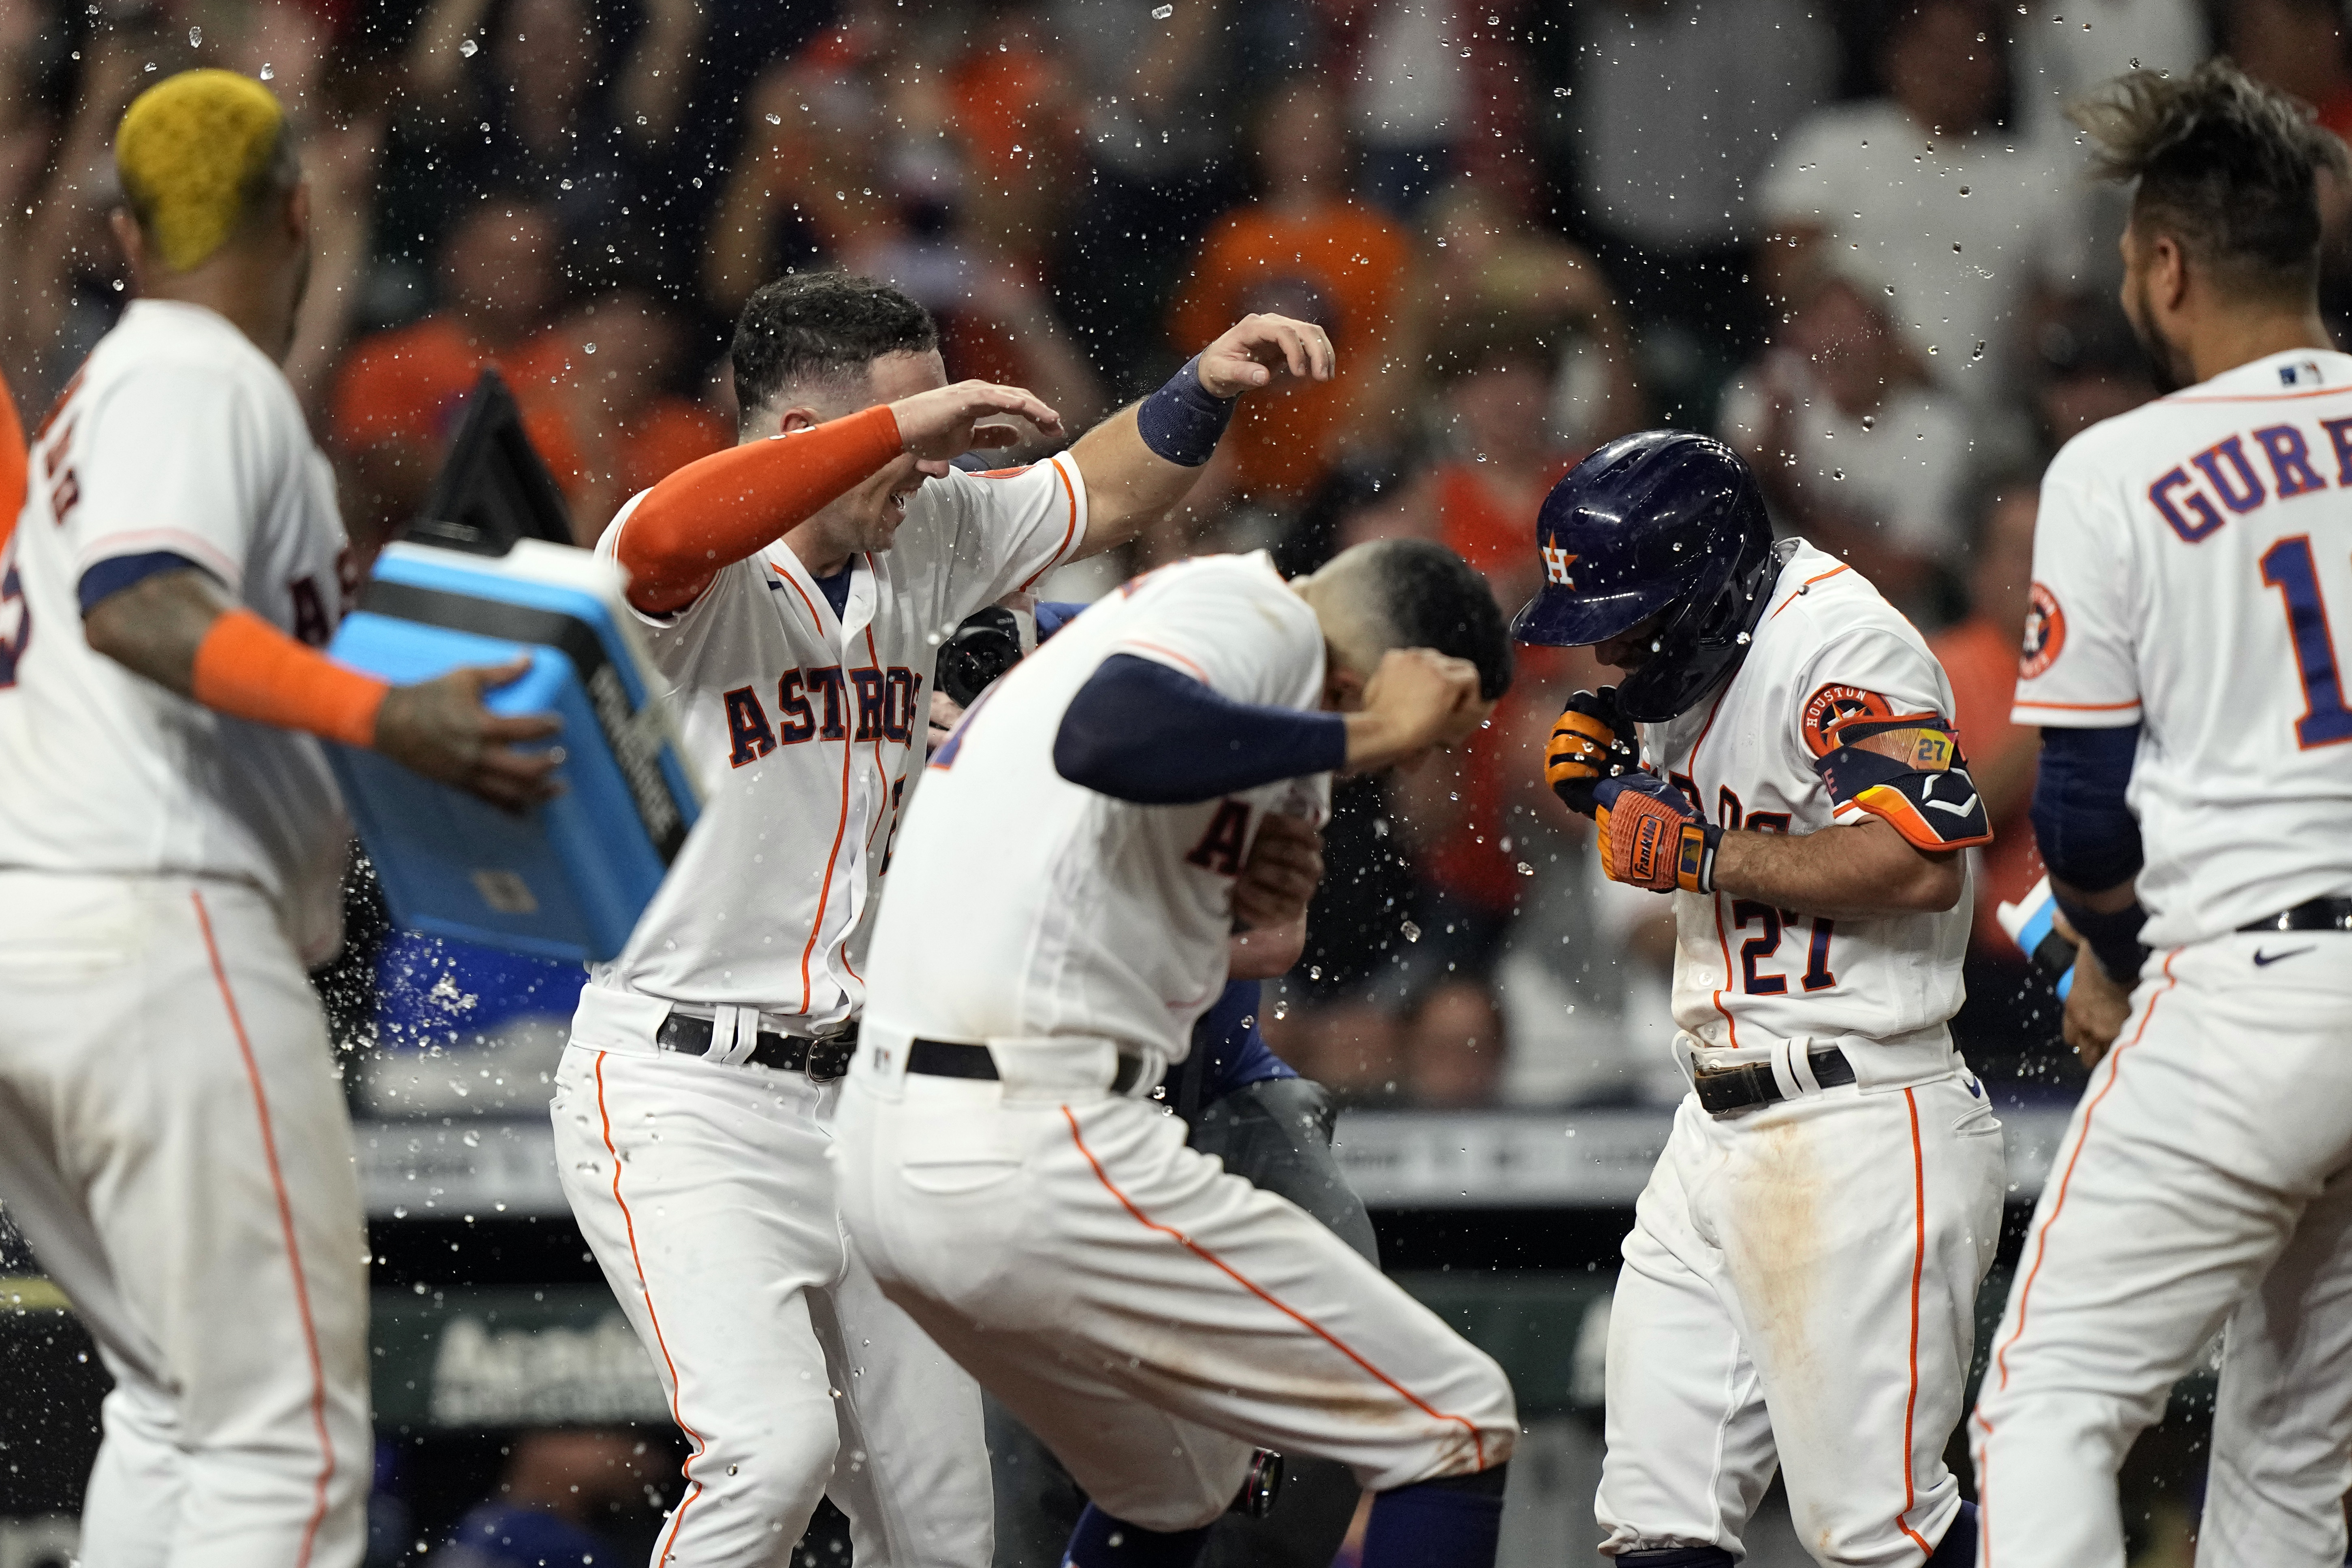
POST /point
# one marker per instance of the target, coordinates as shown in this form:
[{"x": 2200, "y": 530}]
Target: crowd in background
[{"x": 1851, "y": 237}]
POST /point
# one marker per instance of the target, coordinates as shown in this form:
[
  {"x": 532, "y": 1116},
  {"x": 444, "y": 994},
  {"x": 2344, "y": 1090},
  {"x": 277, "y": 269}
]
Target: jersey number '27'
[
  {"x": 2288, "y": 567},
  {"x": 1766, "y": 942}
]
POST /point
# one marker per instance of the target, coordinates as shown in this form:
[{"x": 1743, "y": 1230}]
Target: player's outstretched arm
[
  {"x": 1144, "y": 459},
  {"x": 726, "y": 507},
  {"x": 179, "y": 630}
]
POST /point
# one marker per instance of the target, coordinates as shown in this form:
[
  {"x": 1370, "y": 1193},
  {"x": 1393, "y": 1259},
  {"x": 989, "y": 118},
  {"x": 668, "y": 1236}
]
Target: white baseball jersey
[
  {"x": 1747, "y": 973},
  {"x": 2193, "y": 574},
  {"x": 1025, "y": 906},
  {"x": 807, "y": 726},
  {"x": 179, "y": 437}
]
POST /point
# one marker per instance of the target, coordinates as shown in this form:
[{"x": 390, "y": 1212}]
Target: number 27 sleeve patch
[{"x": 1908, "y": 770}]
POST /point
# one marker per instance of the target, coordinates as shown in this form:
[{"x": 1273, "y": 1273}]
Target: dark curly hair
[
  {"x": 2227, "y": 168},
  {"x": 1427, "y": 596},
  {"x": 820, "y": 327}
]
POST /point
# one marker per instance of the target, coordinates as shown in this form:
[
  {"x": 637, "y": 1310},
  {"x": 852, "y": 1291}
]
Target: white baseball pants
[
  {"x": 1148, "y": 1317},
  {"x": 706, "y": 1194},
  {"x": 1798, "y": 1292},
  {"x": 2206, "y": 1178},
  {"x": 175, "y": 1146}
]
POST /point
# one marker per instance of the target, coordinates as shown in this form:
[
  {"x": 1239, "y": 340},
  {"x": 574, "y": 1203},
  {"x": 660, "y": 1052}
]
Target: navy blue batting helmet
[{"x": 1659, "y": 521}]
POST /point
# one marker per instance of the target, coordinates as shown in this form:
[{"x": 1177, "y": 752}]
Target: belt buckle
[{"x": 829, "y": 1057}]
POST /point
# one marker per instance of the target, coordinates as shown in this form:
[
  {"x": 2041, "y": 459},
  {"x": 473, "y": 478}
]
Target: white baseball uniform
[
  {"x": 1147, "y": 1316},
  {"x": 2193, "y": 575},
  {"x": 702, "y": 1183},
  {"x": 1798, "y": 1289},
  {"x": 172, "y": 1137}
]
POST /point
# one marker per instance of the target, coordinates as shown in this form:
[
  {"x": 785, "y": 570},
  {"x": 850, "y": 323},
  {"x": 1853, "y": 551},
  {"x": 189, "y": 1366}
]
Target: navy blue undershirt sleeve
[
  {"x": 1052, "y": 615},
  {"x": 2089, "y": 836},
  {"x": 1140, "y": 731},
  {"x": 111, "y": 576}
]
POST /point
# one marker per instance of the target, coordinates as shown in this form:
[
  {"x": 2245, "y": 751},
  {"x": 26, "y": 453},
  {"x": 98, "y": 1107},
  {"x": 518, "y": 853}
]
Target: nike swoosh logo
[{"x": 2261, "y": 958}]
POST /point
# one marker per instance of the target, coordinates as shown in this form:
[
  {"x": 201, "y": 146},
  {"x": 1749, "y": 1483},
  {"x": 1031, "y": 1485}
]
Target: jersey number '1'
[{"x": 2288, "y": 567}]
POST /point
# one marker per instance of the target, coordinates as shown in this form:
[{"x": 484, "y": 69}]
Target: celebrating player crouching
[
  {"x": 2193, "y": 573},
  {"x": 172, "y": 1138},
  {"x": 1058, "y": 918},
  {"x": 796, "y": 590},
  {"x": 1798, "y": 1289}
]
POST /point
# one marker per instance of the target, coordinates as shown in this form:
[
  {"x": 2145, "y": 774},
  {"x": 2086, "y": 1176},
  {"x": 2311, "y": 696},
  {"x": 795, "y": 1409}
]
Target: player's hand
[
  {"x": 1652, "y": 836},
  {"x": 440, "y": 729},
  {"x": 1246, "y": 357},
  {"x": 1417, "y": 698},
  {"x": 941, "y": 423},
  {"x": 1590, "y": 743},
  {"x": 945, "y": 715},
  {"x": 1284, "y": 868},
  {"x": 2097, "y": 1004}
]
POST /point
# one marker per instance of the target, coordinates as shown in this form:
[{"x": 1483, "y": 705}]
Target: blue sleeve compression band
[
  {"x": 1182, "y": 422},
  {"x": 2089, "y": 836},
  {"x": 1140, "y": 731}
]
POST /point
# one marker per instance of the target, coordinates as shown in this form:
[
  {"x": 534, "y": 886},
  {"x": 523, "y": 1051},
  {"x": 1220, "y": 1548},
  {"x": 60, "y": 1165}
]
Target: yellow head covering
[{"x": 189, "y": 151}]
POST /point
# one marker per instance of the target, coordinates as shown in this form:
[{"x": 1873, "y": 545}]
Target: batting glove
[
  {"x": 1587, "y": 746},
  {"x": 1650, "y": 836}
]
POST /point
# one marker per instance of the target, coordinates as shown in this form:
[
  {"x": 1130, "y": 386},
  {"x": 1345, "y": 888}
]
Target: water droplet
[
  {"x": 1559, "y": 92},
  {"x": 1411, "y": 931},
  {"x": 1955, "y": 248},
  {"x": 195, "y": 38},
  {"x": 1743, "y": 639},
  {"x": 590, "y": 347},
  {"x": 1979, "y": 352},
  {"x": 1526, "y": 869},
  {"x": 470, "y": 48},
  {"x": 776, "y": 120},
  {"x": 1837, "y": 473},
  {"x": 1161, "y": 12},
  {"x": 1870, "y": 421},
  {"x": 1964, "y": 190},
  {"x": 1314, "y": 972},
  {"x": 268, "y": 72}
]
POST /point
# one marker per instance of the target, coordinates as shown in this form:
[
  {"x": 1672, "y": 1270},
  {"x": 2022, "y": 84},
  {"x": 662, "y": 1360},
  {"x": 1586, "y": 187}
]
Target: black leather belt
[
  {"x": 2319, "y": 914},
  {"x": 823, "y": 1060},
  {"x": 1728, "y": 1089},
  {"x": 948, "y": 1058}
]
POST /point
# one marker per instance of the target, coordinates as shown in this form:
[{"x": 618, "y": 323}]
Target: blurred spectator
[
  {"x": 1855, "y": 448},
  {"x": 805, "y": 188},
  {"x": 2091, "y": 369},
  {"x": 2297, "y": 46},
  {"x": 399, "y": 394},
  {"x": 2063, "y": 49},
  {"x": 1486, "y": 272},
  {"x": 1160, "y": 132},
  {"x": 556, "y": 1487},
  {"x": 1015, "y": 111},
  {"x": 1308, "y": 249},
  {"x": 605, "y": 374},
  {"x": 1675, "y": 110},
  {"x": 1410, "y": 98},
  {"x": 1979, "y": 655},
  {"x": 70, "y": 288},
  {"x": 1966, "y": 226},
  {"x": 533, "y": 95}
]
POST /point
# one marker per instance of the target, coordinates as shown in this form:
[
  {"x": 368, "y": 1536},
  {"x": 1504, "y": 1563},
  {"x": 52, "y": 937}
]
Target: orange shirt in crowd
[
  {"x": 1981, "y": 659},
  {"x": 1343, "y": 267},
  {"x": 1486, "y": 526},
  {"x": 409, "y": 385},
  {"x": 12, "y": 464}
]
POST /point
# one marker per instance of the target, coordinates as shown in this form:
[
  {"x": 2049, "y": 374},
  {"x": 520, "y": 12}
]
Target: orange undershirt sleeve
[
  {"x": 726, "y": 507},
  {"x": 249, "y": 669}
]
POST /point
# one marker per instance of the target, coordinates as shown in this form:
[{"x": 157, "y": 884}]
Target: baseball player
[
  {"x": 795, "y": 591},
  {"x": 2192, "y": 573},
  {"x": 1798, "y": 1289},
  {"x": 172, "y": 1137},
  {"x": 1003, "y": 1170},
  {"x": 1247, "y": 1108}
]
